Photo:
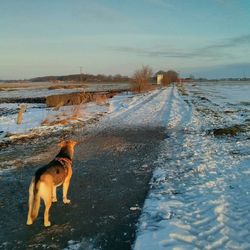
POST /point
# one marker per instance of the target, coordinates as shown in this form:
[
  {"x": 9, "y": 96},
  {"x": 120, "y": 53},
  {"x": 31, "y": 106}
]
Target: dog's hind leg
[
  {"x": 66, "y": 187},
  {"x": 65, "y": 192},
  {"x": 47, "y": 203},
  {"x": 31, "y": 202},
  {"x": 54, "y": 198},
  {"x": 46, "y": 194}
]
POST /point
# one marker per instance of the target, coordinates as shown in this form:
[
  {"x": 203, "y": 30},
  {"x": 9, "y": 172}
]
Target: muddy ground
[{"x": 111, "y": 174}]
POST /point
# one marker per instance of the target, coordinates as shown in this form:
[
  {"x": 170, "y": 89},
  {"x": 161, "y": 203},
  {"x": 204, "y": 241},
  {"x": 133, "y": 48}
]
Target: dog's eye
[{"x": 57, "y": 171}]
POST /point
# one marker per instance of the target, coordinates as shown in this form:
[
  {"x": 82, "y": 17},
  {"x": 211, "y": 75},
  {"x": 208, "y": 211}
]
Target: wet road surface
[{"x": 110, "y": 179}]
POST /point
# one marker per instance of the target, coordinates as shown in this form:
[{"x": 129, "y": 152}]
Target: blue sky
[{"x": 209, "y": 38}]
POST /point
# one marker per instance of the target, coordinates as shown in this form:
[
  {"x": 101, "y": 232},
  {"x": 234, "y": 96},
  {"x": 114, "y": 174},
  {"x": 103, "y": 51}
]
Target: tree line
[
  {"x": 143, "y": 78},
  {"x": 83, "y": 78}
]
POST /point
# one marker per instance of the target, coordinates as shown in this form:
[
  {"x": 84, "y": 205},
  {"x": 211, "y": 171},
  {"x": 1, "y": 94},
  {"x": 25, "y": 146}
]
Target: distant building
[
  {"x": 159, "y": 78},
  {"x": 166, "y": 76}
]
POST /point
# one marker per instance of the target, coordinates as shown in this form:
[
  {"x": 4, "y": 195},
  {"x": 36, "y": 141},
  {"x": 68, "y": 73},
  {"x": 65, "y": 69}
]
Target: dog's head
[
  {"x": 67, "y": 147},
  {"x": 68, "y": 143}
]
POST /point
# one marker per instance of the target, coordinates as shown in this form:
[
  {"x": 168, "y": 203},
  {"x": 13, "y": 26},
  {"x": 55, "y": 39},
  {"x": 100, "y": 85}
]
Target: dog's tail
[{"x": 34, "y": 201}]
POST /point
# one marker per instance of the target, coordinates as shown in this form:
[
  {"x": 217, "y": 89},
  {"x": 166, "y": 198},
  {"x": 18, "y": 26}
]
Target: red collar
[{"x": 63, "y": 161}]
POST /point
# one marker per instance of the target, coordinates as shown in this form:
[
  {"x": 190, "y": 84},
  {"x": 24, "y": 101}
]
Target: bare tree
[
  {"x": 141, "y": 79},
  {"x": 169, "y": 77}
]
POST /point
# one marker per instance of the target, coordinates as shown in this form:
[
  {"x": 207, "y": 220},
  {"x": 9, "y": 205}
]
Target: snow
[
  {"x": 128, "y": 109},
  {"x": 27, "y": 93},
  {"x": 36, "y": 115},
  {"x": 86, "y": 244},
  {"x": 141, "y": 110},
  {"x": 43, "y": 91},
  {"x": 199, "y": 192}
]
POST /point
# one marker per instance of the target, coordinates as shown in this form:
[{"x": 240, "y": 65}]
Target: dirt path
[{"x": 109, "y": 185}]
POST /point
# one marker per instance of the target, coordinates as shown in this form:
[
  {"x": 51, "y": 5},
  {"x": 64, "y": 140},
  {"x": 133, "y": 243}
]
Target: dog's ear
[
  {"x": 73, "y": 142},
  {"x": 61, "y": 144}
]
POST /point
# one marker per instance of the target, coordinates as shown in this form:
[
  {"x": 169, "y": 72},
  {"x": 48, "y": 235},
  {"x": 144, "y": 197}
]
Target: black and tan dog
[{"x": 47, "y": 179}]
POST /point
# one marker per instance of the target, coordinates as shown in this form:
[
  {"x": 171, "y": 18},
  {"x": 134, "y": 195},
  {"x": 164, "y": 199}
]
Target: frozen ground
[
  {"x": 41, "y": 89},
  {"x": 149, "y": 175},
  {"x": 124, "y": 109},
  {"x": 199, "y": 193},
  {"x": 36, "y": 114},
  {"x": 33, "y": 122}
]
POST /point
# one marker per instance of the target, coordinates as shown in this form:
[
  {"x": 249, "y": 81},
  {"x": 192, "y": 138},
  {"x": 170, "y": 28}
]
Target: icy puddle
[{"x": 199, "y": 194}]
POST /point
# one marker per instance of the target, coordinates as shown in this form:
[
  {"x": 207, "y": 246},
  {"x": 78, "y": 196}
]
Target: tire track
[
  {"x": 152, "y": 111},
  {"x": 199, "y": 197},
  {"x": 136, "y": 104}
]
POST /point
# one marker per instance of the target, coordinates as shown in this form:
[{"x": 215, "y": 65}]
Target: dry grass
[
  {"x": 142, "y": 88},
  {"x": 100, "y": 99},
  {"x": 77, "y": 112},
  {"x": 58, "y": 106},
  {"x": 78, "y": 98},
  {"x": 66, "y": 99},
  {"x": 65, "y": 87},
  {"x": 64, "y": 117},
  {"x": 46, "y": 122}
]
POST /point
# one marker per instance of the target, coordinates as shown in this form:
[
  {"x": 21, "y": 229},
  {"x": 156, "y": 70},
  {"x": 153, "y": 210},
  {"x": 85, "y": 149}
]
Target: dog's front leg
[{"x": 54, "y": 198}]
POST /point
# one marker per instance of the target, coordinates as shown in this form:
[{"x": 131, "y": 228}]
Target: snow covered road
[{"x": 149, "y": 110}]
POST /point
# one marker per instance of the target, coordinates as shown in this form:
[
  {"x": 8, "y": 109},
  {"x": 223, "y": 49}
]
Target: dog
[{"x": 43, "y": 185}]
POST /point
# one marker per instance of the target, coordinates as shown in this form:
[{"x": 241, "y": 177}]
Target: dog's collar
[{"x": 63, "y": 161}]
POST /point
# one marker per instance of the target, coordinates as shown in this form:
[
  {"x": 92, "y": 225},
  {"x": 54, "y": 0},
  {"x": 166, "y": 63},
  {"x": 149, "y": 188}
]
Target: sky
[{"x": 206, "y": 38}]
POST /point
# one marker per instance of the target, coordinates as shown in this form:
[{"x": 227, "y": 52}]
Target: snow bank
[
  {"x": 199, "y": 192},
  {"x": 38, "y": 119}
]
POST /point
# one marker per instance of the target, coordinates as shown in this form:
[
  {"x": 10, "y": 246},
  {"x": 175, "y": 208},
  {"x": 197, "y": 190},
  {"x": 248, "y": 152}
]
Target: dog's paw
[
  {"x": 29, "y": 222},
  {"x": 66, "y": 201},
  {"x": 47, "y": 224},
  {"x": 54, "y": 199}
]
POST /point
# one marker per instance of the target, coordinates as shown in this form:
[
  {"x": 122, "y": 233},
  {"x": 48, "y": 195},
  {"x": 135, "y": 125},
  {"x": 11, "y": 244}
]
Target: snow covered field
[
  {"x": 41, "y": 89},
  {"x": 124, "y": 109},
  {"x": 199, "y": 193},
  {"x": 35, "y": 115},
  {"x": 38, "y": 119}
]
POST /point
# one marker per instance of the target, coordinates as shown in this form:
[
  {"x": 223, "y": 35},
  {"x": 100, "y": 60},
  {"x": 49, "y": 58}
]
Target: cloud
[
  {"x": 97, "y": 12},
  {"x": 169, "y": 53},
  {"x": 220, "y": 71},
  {"x": 232, "y": 42},
  {"x": 213, "y": 51}
]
